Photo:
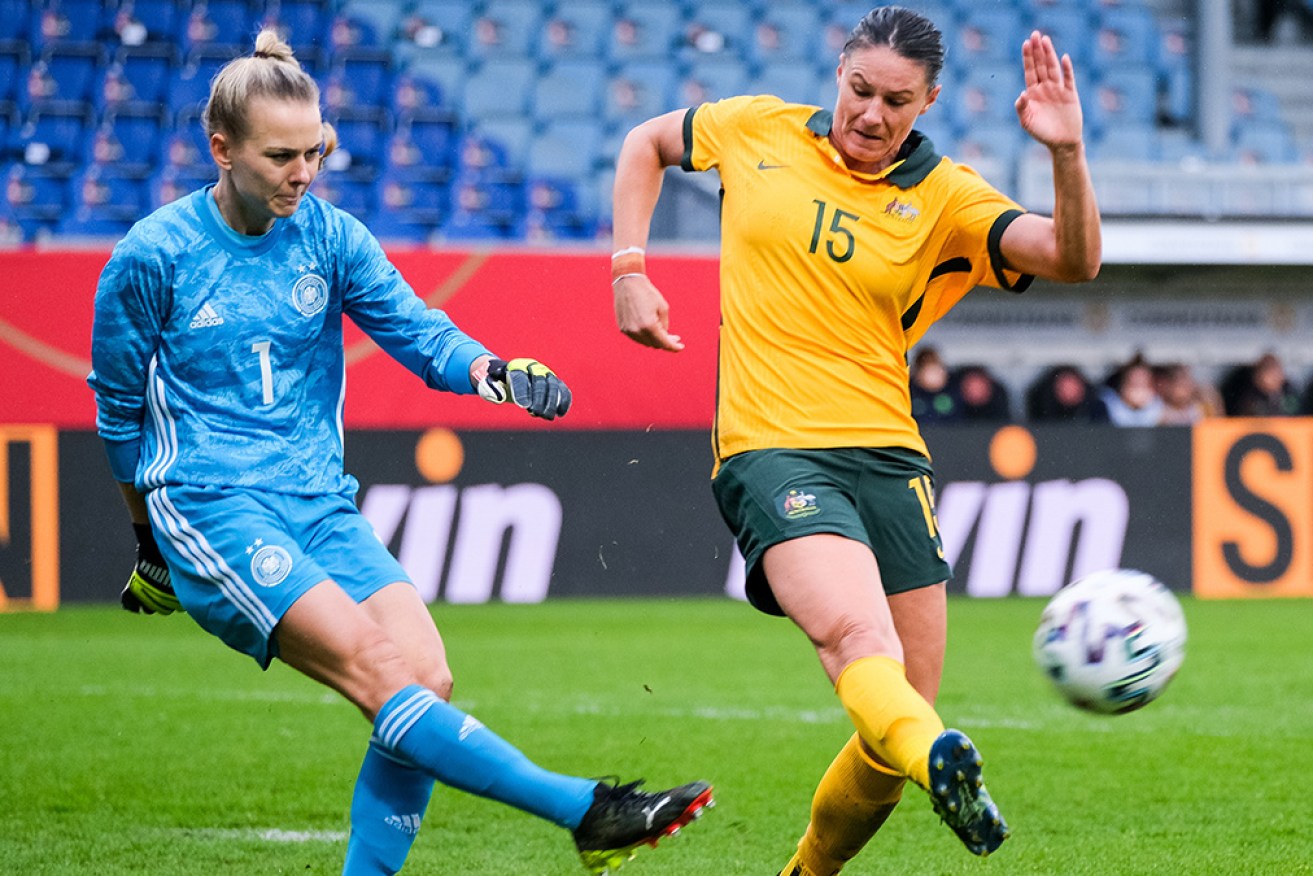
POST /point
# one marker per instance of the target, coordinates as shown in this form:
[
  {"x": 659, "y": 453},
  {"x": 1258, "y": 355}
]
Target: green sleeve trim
[{"x": 686, "y": 162}]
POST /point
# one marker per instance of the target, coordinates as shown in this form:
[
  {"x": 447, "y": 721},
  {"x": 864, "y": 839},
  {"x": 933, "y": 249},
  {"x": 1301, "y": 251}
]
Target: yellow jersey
[{"x": 828, "y": 277}]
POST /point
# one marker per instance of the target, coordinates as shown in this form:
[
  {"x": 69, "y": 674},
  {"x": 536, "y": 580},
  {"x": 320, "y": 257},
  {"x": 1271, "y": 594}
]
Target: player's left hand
[
  {"x": 529, "y": 384},
  {"x": 1049, "y": 108}
]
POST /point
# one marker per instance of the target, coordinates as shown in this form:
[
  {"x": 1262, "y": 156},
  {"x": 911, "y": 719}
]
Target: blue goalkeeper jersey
[{"x": 217, "y": 357}]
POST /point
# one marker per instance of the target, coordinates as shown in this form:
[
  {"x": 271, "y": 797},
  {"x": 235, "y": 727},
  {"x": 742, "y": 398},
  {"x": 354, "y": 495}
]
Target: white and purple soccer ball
[{"x": 1111, "y": 641}]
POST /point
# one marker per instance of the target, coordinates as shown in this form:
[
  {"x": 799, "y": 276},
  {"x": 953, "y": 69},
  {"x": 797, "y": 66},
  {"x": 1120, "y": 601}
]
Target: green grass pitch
[{"x": 141, "y": 745}]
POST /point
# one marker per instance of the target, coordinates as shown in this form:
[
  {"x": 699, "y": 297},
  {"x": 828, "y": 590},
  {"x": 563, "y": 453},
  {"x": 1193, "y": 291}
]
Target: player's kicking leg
[{"x": 622, "y": 818}]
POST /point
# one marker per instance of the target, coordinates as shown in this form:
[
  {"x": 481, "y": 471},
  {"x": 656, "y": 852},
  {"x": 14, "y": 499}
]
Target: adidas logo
[
  {"x": 408, "y": 824},
  {"x": 206, "y": 317}
]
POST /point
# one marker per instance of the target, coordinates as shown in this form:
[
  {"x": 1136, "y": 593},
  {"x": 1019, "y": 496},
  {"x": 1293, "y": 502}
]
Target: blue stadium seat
[
  {"x": 188, "y": 142},
  {"x": 713, "y": 78},
  {"x": 366, "y": 75},
  {"x": 424, "y": 140},
  {"x": 190, "y": 88},
  {"x": 1123, "y": 96},
  {"x": 164, "y": 20},
  {"x": 37, "y": 194},
  {"x": 1176, "y": 66},
  {"x": 129, "y": 137},
  {"x": 349, "y": 32},
  {"x": 569, "y": 149},
  {"x": 718, "y": 26},
  {"x": 500, "y": 87},
  {"x": 385, "y": 16},
  {"x": 68, "y": 21},
  {"x": 354, "y": 195},
  {"x": 15, "y": 20},
  {"x": 999, "y": 143},
  {"x": 644, "y": 31},
  {"x": 572, "y": 87},
  {"x": 447, "y": 72},
  {"x": 495, "y": 193},
  {"x": 173, "y": 182},
  {"x": 9, "y": 126},
  {"x": 304, "y": 23},
  {"x": 402, "y": 226},
  {"x": 147, "y": 70},
  {"x": 578, "y": 29},
  {"x": 14, "y": 61},
  {"x": 55, "y": 132},
  {"x": 987, "y": 93},
  {"x": 465, "y": 224},
  {"x": 943, "y": 13},
  {"x": 786, "y": 32},
  {"x": 638, "y": 91},
  {"x": 436, "y": 27},
  {"x": 411, "y": 93},
  {"x": 795, "y": 81},
  {"x": 1264, "y": 142},
  {"x": 509, "y": 140},
  {"x": 985, "y": 34},
  {"x": 68, "y": 72},
  {"x": 111, "y": 191},
  {"x": 1132, "y": 142},
  {"x": 1126, "y": 36},
  {"x": 537, "y": 226},
  {"x": 362, "y": 134},
  {"x": 220, "y": 23},
  {"x": 505, "y": 29}
]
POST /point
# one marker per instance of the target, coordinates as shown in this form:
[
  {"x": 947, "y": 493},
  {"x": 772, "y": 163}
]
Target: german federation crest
[
  {"x": 310, "y": 294},
  {"x": 270, "y": 565}
]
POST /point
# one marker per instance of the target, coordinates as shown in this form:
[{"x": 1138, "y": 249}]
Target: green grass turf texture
[{"x": 141, "y": 745}]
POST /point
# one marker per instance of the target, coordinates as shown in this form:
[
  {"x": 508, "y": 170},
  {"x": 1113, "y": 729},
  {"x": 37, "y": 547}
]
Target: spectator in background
[
  {"x": 1185, "y": 400},
  {"x": 1130, "y": 396},
  {"x": 1062, "y": 394},
  {"x": 934, "y": 398},
  {"x": 982, "y": 397},
  {"x": 1261, "y": 390}
]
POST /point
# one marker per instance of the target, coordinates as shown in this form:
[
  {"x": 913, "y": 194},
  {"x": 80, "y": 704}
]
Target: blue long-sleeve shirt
[{"x": 217, "y": 357}]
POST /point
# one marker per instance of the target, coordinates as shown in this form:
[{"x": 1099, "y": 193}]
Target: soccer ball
[{"x": 1110, "y": 642}]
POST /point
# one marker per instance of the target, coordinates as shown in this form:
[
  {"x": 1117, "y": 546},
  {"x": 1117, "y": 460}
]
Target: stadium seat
[
  {"x": 14, "y": 61},
  {"x": 1264, "y": 142},
  {"x": 37, "y": 194},
  {"x": 985, "y": 34},
  {"x": 411, "y": 93},
  {"x": 384, "y": 16},
  {"x": 446, "y": 72},
  {"x": 578, "y": 29},
  {"x": 1176, "y": 66},
  {"x": 1123, "y": 96},
  {"x": 537, "y": 226},
  {"x": 435, "y": 27},
  {"x": 505, "y": 29},
  {"x": 349, "y": 32},
  {"x": 500, "y": 88},
  {"x": 68, "y": 21},
  {"x": 55, "y": 132},
  {"x": 571, "y": 88},
  {"x": 638, "y": 91},
  {"x": 354, "y": 195},
  {"x": 643, "y": 31},
  {"x": 497, "y": 143},
  {"x": 1126, "y": 37},
  {"x": 147, "y": 70},
  {"x": 365, "y": 75},
  {"x": 569, "y": 149},
  {"x": 402, "y": 226},
  {"x": 15, "y": 20},
  {"x": 69, "y": 71},
  {"x": 304, "y": 22},
  {"x": 475, "y": 225},
  {"x": 189, "y": 142},
  {"x": 220, "y": 23},
  {"x": 190, "y": 88},
  {"x": 714, "y": 27},
  {"x": 1129, "y": 142},
  {"x": 1069, "y": 26},
  {"x": 362, "y": 134},
  {"x": 129, "y": 137},
  {"x": 173, "y": 182},
  {"x": 110, "y": 191},
  {"x": 713, "y": 78},
  {"x": 795, "y": 81},
  {"x": 495, "y": 194},
  {"x": 986, "y": 94},
  {"x": 424, "y": 140},
  {"x": 9, "y": 128},
  {"x": 164, "y": 21},
  {"x": 786, "y": 32},
  {"x": 93, "y": 222}
]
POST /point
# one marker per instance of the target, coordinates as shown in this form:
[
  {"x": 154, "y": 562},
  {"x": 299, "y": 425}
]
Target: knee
[
  {"x": 850, "y": 638},
  {"x": 438, "y": 679}
]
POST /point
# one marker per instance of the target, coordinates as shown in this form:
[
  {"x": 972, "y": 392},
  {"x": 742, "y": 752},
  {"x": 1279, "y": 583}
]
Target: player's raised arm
[
  {"x": 1069, "y": 246},
  {"x": 641, "y": 311}
]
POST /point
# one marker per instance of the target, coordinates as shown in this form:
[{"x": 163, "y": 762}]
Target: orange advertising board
[
  {"x": 1253, "y": 508},
  {"x": 31, "y": 515}
]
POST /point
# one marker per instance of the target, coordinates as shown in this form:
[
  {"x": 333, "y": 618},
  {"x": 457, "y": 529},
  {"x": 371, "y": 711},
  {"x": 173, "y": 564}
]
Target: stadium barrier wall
[{"x": 1221, "y": 510}]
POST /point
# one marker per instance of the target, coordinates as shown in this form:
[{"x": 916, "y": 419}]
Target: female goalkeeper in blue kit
[{"x": 219, "y": 378}]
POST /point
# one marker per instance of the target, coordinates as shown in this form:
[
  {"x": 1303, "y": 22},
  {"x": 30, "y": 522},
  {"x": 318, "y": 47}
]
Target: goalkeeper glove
[
  {"x": 530, "y": 384},
  {"x": 148, "y": 589}
]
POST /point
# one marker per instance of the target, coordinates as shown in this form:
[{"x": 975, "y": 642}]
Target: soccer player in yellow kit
[{"x": 843, "y": 237}]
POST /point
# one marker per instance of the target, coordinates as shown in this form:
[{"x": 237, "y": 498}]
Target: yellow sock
[
  {"x": 855, "y": 796},
  {"x": 892, "y": 718}
]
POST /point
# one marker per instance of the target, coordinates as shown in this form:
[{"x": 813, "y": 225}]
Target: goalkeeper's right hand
[{"x": 148, "y": 590}]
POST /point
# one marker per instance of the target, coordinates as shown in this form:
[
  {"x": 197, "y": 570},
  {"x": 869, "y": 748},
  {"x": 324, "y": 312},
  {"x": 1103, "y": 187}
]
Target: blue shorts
[{"x": 239, "y": 558}]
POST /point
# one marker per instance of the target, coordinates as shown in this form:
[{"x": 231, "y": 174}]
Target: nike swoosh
[{"x": 762, "y": 165}]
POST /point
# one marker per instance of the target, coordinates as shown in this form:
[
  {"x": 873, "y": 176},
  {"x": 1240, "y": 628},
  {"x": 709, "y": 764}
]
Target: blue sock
[
  {"x": 457, "y": 750},
  {"x": 386, "y": 811}
]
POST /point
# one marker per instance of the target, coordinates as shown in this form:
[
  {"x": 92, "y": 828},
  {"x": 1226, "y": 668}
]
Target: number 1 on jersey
[{"x": 266, "y": 370}]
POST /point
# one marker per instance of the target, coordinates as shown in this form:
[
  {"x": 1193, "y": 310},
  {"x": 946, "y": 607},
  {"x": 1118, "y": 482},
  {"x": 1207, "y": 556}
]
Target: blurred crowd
[{"x": 1137, "y": 392}]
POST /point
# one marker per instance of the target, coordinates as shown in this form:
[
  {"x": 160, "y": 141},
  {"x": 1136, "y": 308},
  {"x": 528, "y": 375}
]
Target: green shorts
[{"x": 883, "y": 497}]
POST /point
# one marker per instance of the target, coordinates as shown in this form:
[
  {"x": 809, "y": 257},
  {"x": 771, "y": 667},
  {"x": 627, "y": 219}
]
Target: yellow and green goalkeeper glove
[
  {"x": 529, "y": 384},
  {"x": 148, "y": 590}
]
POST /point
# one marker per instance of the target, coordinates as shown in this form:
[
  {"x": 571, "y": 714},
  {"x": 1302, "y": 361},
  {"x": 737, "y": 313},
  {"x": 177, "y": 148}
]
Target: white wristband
[{"x": 629, "y": 250}]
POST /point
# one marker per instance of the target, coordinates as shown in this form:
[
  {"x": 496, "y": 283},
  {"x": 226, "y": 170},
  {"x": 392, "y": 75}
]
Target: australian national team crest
[
  {"x": 798, "y": 504},
  {"x": 270, "y": 564},
  {"x": 310, "y": 294}
]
